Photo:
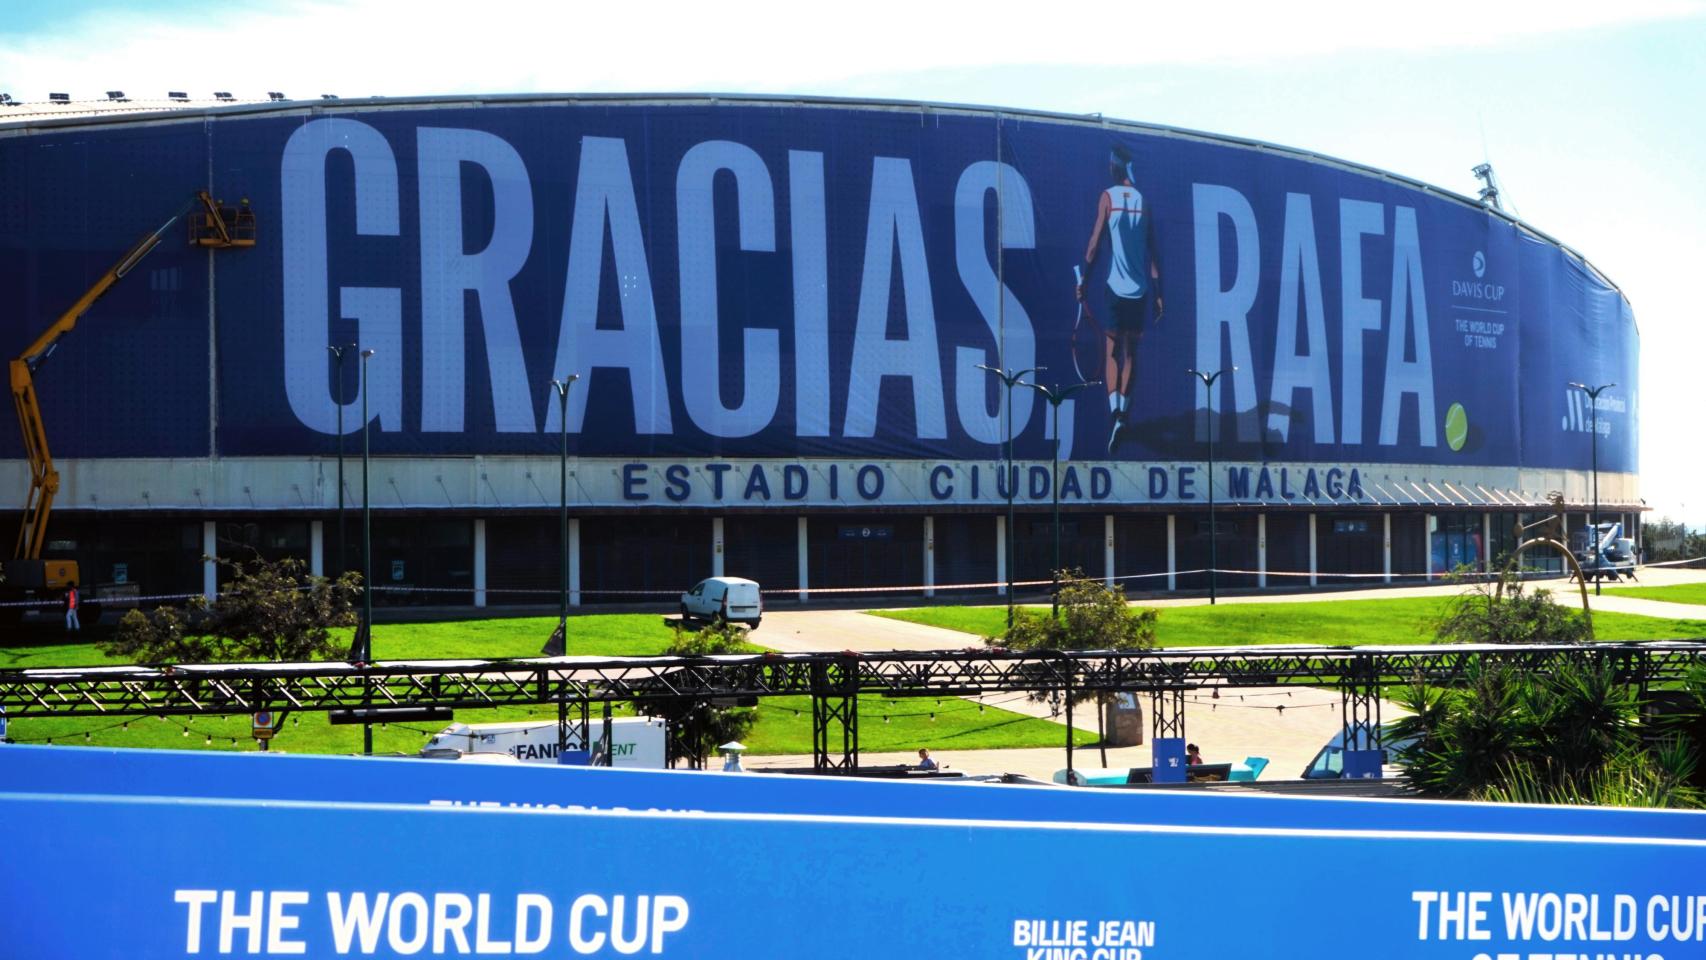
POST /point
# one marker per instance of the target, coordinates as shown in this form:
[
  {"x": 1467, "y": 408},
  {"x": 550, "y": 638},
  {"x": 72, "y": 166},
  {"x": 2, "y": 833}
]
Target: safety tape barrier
[{"x": 125, "y": 602}]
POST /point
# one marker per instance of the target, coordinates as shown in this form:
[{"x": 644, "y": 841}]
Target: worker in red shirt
[{"x": 71, "y": 624}]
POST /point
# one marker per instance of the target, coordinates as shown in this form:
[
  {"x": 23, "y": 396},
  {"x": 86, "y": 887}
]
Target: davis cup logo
[{"x": 1476, "y": 289}]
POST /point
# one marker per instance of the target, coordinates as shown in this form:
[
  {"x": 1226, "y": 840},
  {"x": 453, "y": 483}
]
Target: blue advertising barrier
[
  {"x": 214, "y": 775},
  {"x": 100, "y": 876},
  {"x": 1364, "y": 764}
]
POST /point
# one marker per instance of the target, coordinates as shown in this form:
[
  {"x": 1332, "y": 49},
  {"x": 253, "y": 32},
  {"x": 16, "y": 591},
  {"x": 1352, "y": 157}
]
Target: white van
[
  {"x": 723, "y": 599},
  {"x": 636, "y": 742}
]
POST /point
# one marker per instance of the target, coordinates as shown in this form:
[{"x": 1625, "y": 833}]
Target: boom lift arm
[{"x": 214, "y": 227}]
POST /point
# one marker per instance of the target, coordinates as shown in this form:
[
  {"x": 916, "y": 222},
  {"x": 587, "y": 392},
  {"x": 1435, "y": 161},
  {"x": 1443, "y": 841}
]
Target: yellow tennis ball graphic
[{"x": 1456, "y": 426}]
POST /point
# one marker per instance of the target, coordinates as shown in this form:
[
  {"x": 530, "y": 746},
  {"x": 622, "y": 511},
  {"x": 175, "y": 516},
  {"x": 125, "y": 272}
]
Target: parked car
[{"x": 723, "y": 600}]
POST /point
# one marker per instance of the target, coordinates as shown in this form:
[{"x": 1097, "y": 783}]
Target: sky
[{"x": 1590, "y": 112}]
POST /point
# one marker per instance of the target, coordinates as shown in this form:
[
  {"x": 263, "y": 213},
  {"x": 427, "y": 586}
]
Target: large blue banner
[
  {"x": 167, "y": 877},
  {"x": 218, "y": 775},
  {"x": 750, "y": 280}
]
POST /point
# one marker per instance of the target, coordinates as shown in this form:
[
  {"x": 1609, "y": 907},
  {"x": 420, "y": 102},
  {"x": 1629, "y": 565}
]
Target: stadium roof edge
[{"x": 44, "y": 123}]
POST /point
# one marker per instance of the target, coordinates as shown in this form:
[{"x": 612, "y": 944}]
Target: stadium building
[{"x": 779, "y": 311}]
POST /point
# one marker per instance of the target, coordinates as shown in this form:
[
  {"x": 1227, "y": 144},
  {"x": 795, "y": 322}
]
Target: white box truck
[{"x": 636, "y": 742}]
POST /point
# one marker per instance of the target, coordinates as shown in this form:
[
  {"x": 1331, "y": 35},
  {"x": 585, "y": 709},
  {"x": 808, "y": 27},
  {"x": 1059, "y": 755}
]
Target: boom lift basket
[{"x": 223, "y": 226}]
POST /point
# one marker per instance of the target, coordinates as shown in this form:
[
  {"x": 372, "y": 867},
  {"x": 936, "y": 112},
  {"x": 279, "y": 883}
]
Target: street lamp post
[
  {"x": 1208, "y": 380},
  {"x": 362, "y": 651},
  {"x": 1593, "y": 413},
  {"x": 558, "y": 644},
  {"x": 1009, "y": 379},
  {"x": 343, "y": 550},
  {"x": 1055, "y": 398}
]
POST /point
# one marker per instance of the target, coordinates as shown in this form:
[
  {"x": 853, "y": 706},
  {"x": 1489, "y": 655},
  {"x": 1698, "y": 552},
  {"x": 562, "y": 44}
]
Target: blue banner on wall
[
  {"x": 767, "y": 281},
  {"x": 164, "y": 877}
]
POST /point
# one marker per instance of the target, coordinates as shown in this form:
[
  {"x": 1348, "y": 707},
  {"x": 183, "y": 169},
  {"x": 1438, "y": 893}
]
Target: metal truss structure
[{"x": 834, "y": 681}]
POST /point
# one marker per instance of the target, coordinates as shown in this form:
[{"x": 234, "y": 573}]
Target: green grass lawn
[
  {"x": 597, "y": 634},
  {"x": 784, "y": 723},
  {"x": 1346, "y": 622},
  {"x": 1680, "y": 593}
]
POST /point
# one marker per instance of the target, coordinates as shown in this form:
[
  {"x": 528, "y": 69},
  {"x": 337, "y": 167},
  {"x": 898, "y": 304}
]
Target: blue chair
[{"x": 1256, "y": 765}]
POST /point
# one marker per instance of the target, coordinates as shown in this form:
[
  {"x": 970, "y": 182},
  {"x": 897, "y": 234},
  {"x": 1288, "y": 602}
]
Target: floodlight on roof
[
  {"x": 275, "y": 95},
  {"x": 59, "y": 97},
  {"x": 328, "y": 96},
  {"x": 115, "y": 94},
  {"x": 1490, "y": 192},
  {"x": 223, "y": 95},
  {"x": 177, "y": 95},
  {"x": 6, "y": 98}
]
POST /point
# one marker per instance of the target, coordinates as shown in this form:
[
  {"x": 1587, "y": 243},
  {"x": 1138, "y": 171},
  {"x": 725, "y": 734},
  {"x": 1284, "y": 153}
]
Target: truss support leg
[
  {"x": 609, "y": 740},
  {"x": 586, "y": 719},
  {"x": 1167, "y": 735},
  {"x": 835, "y": 717},
  {"x": 1359, "y": 695},
  {"x": 1167, "y": 713},
  {"x": 562, "y": 722}
]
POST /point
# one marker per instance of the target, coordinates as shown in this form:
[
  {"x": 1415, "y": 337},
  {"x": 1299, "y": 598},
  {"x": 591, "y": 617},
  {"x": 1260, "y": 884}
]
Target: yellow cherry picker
[{"x": 28, "y": 576}]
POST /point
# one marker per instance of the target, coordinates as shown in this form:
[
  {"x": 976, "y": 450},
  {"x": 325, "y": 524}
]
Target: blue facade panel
[{"x": 768, "y": 281}]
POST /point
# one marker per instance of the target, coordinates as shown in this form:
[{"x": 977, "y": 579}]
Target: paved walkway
[{"x": 1238, "y": 724}]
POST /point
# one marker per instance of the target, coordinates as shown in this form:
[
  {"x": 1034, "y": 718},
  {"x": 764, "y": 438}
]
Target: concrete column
[
  {"x": 1172, "y": 553},
  {"x": 1429, "y": 523},
  {"x": 803, "y": 553},
  {"x": 479, "y": 563},
  {"x": 1108, "y": 550},
  {"x": 1313, "y": 543},
  {"x": 1386, "y": 547},
  {"x": 317, "y": 548},
  {"x": 930, "y": 556},
  {"x": 1001, "y": 554},
  {"x": 574, "y": 561},
  {"x": 1486, "y": 543},
  {"x": 1261, "y": 550},
  {"x": 716, "y": 546},
  {"x": 210, "y": 556}
]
